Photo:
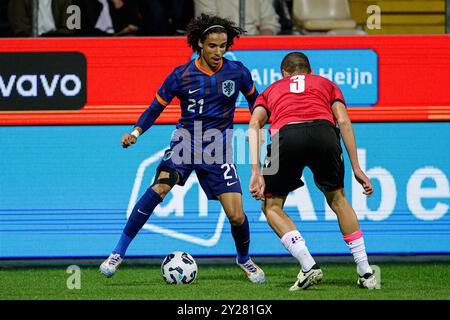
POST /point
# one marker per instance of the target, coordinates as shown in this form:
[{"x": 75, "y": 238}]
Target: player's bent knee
[
  {"x": 165, "y": 181},
  {"x": 334, "y": 195},
  {"x": 237, "y": 219},
  {"x": 161, "y": 189},
  {"x": 263, "y": 207},
  {"x": 336, "y": 199},
  {"x": 271, "y": 212}
]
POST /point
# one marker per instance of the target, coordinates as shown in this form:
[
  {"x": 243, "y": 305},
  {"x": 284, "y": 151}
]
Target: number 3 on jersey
[{"x": 297, "y": 84}]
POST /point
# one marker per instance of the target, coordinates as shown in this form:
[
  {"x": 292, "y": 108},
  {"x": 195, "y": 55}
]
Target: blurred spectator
[
  {"x": 5, "y": 29},
  {"x": 4, "y": 21},
  {"x": 260, "y": 15},
  {"x": 104, "y": 22},
  {"x": 125, "y": 16},
  {"x": 284, "y": 8},
  {"x": 108, "y": 18},
  {"x": 52, "y": 17},
  {"x": 165, "y": 17}
]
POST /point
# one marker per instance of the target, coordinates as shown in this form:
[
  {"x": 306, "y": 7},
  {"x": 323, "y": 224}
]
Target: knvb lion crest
[{"x": 228, "y": 88}]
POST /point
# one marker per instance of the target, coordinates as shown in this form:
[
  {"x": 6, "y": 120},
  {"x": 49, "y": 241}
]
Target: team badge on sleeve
[{"x": 228, "y": 88}]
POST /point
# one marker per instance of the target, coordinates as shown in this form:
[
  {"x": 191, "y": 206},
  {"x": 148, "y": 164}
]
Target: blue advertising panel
[
  {"x": 66, "y": 192},
  {"x": 355, "y": 71}
]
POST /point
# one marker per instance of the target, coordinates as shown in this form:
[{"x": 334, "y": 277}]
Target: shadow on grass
[
  {"x": 133, "y": 283},
  {"x": 339, "y": 282},
  {"x": 225, "y": 277}
]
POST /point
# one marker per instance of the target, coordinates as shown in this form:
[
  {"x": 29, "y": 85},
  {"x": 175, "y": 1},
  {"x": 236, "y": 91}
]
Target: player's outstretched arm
[
  {"x": 348, "y": 136},
  {"x": 257, "y": 121},
  {"x": 144, "y": 122},
  {"x": 129, "y": 139}
]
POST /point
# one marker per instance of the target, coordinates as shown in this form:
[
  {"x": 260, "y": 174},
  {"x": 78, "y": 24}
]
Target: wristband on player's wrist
[{"x": 135, "y": 133}]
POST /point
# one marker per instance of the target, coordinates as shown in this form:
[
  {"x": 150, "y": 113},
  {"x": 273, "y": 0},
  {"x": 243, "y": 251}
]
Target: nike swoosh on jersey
[
  {"x": 192, "y": 91},
  {"x": 230, "y": 184},
  {"x": 145, "y": 214}
]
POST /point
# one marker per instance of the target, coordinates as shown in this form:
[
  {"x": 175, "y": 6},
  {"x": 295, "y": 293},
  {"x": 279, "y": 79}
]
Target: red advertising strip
[{"x": 124, "y": 74}]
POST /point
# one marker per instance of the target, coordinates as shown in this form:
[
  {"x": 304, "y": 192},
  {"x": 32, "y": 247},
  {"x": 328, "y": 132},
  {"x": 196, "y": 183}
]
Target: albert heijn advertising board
[
  {"x": 108, "y": 81},
  {"x": 355, "y": 71},
  {"x": 67, "y": 190},
  {"x": 31, "y": 81}
]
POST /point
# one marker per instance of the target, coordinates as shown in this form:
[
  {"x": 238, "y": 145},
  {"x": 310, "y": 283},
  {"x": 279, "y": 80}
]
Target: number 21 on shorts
[
  {"x": 297, "y": 84},
  {"x": 228, "y": 168}
]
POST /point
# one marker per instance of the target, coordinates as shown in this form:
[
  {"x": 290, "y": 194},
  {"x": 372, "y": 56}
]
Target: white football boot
[
  {"x": 110, "y": 265},
  {"x": 367, "y": 281},
  {"x": 252, "y": 271},
  {"x": 307, "y": 279}
]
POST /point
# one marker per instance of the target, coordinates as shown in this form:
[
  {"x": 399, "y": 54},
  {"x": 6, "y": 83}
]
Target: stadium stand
[
  {"x": 53, "y": 17},
  {"x": 284, "y": 10},
  {"x": 260, "y": 15},
  {"x": 324, "y": 16},
  {"x": 282, "y": 17},
  {"x": 403, "y": 17},
  {"x": 165, "y": 18}
]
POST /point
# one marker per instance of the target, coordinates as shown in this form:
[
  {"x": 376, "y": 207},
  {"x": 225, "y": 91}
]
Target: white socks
[
  {"x": 355, "y": 243},
  {"x": 295, "y": 244}
]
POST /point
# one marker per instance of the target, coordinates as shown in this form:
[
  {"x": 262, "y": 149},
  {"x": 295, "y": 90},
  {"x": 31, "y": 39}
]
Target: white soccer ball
[{"x": 179, "y": 268}]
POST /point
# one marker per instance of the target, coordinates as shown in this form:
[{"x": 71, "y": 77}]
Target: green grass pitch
[{"x": 430, "y": 281}]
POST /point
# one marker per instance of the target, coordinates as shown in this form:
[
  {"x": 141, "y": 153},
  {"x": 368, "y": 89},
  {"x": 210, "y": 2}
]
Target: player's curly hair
[{"x": 199, "y": 28}]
